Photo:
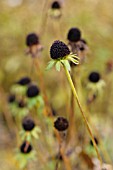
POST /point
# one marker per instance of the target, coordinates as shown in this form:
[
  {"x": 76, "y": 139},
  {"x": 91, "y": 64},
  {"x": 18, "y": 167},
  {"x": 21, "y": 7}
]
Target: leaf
[
  {"x": 74, "y": 61},
  {"x": 50, "y": 64},
  {"x": 37, "y": 129},
  {"x": 40, "y": 100},
  {"x": 67, "y": 65},
  {"x": 34, "y": 134},
  {"x": 75, "y": 56},
  {"x": 58, "y": 64},
  {"x": 23, "y": 163}
]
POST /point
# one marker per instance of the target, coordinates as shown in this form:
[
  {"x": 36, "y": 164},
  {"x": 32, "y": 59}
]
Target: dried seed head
[
  {"x": 25, "y": 148},
  {"x": 96, "y": 141},
  {"x": 11, "y": 98},
  {"x": 74, "y": 35},
  {"x": 32, "y": 39},
  {"x": 21, "y": 104},
  {"x": 55, "y": 5},
  {"x": 61, "y": 124},
  {"x": 59, "y": 50},
  {"x": 28, "y": 124},
  {"x": 94, "y": 77},
  {"x": 32, "y": 91},
  {"x": 24, "y": 81}
]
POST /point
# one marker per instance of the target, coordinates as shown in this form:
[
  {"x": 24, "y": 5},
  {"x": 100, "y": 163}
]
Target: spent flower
[
  {"x": 61, "y": 124},
  {"x": 61, "y": 55}
]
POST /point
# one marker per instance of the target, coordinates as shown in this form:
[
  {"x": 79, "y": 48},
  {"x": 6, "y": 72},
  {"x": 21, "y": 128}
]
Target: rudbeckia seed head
[
  {"x": 94, "y": 77},
  {"x": 59, "y": 50},
  {"x": 21, "y": 104},
  {"x": 32, "y": 39},
  {"x": 11, "y": 98},
  {"x": 28, "y": 124},
  {"x": 24, "y": 81},
  {"x": 32, "y": 91},
  {"x": 74, "y": 35},
  {"x": 61, "y": 124},
  {"x": 24, "y": 148},
  {"x": 55, "y": 5}
]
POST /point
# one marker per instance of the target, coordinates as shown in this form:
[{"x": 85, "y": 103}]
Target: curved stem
[{"x": 83, "y": 115}]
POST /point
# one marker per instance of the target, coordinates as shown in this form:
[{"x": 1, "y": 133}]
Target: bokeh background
[{"x": 21, "y": 17}]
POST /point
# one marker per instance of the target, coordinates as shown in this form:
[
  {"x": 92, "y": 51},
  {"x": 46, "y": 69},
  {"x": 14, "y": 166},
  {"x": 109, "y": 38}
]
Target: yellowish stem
[{"x": 83, "y": 115}]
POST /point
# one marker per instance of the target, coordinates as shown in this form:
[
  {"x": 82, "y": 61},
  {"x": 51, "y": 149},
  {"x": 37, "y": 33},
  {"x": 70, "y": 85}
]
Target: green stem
[{"x": 83, "y": 115}]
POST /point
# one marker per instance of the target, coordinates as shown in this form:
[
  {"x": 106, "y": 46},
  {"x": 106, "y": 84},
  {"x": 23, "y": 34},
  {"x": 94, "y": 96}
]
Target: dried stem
[
  {"x": 62, "y": 153},
  {"x": 40, "y": 75}
]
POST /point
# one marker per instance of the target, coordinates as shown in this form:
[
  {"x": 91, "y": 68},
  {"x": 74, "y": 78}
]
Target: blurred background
[{"x": 18, "y": 18}]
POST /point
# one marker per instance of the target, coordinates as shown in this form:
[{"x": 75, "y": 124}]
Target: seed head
[
  {"x": 28, "y": 124},
  {"x": 59, "y": 50},
  {"x": 55, "y": 5},
  {"x": 94, "y": 77},
  {"x": 11, "y": 98},
  {"x": 25, "y": 148},
  {"x": 21, "y": 104},
  {"x": 32, "y": 39},
  {"x": 61, "y": 124},
  {"x": 74, "y": 35},
  {"x": 32, "y": 91},
  {"x": 24, "y": 81}
]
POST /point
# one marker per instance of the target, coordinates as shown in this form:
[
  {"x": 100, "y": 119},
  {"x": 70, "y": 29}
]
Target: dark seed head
[
  {"x": 61, "y": 124},
  {"x": 74, "y": 35},
  {"x": 25, "y": 148},
  {"x": 32, "y": 91},
  {"x": 28, "y": 124},
  {"x": 32, "y": 39},
  {"x": 55, "y": 5},
  {"x": 24, "y": 81},
  {"x": 96, "y": 141},
  {"x": 11, "y": 98},
  {"x": 21, "y": 104},
  {"x": 94, "y": 77},
  {"x": 59, "y": 50}
]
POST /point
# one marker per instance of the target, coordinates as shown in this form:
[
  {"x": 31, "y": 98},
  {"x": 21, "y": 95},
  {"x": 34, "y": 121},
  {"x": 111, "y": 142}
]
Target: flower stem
[{"x": 83, "y": 115}]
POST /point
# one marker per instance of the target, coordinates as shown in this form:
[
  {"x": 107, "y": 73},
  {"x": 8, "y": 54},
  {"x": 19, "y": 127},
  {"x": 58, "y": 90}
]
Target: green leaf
[
  {"x": 37, "y": 129},
  {"x": 50, "y": 64},
  {"x": 74, "y": 61},
  {"x": 58, "y": 64},
  {"x": 40, "y": 100},
  {"x": 34, "y": 134},
  {"x": 23, "y": 163},
  {"x": 67, "y": 65}
]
